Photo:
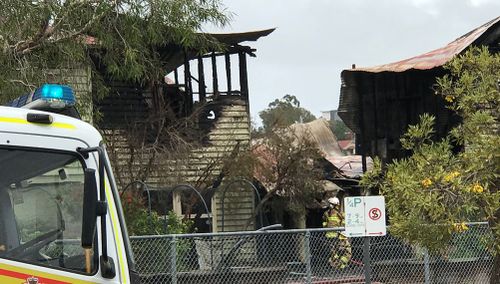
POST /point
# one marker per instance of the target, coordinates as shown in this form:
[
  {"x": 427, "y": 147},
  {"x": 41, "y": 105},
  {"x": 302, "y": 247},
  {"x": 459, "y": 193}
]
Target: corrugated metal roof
[
  {"x": 351, "y": 166},
  {"x": 319, "y": 131},
  {"x": 436, "y": 57}
]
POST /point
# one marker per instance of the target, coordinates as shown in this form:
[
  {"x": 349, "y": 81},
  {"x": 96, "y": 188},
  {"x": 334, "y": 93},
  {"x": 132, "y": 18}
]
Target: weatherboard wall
[{"x": 230, "y": 130}]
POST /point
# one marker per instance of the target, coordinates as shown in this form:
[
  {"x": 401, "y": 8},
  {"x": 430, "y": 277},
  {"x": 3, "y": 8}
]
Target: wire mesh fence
[{"x": 310, "y": 256}]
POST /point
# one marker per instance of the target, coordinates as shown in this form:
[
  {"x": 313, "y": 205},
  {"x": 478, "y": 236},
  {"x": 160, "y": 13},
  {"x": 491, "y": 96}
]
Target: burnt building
[
  {"x": 378, "y": 103},
  {"x": 205, "y": 90}
]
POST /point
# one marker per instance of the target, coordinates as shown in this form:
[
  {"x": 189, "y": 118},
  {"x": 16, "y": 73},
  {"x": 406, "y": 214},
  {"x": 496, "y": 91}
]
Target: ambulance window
[{"x": 42, "y": 211}]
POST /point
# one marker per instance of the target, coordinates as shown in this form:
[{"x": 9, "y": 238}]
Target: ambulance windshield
[{"x": 41, "y": 197}]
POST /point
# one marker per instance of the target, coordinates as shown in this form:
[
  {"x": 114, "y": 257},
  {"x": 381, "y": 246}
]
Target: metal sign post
[{"x": 367, "y": 260}]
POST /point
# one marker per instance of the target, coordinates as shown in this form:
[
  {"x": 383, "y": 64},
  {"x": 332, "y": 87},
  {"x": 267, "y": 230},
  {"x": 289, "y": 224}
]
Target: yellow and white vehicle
[{"x": 60, "y": 214}]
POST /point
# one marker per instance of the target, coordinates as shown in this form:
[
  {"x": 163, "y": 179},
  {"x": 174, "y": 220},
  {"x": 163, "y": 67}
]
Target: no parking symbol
[{"x": 374, "y": 214}]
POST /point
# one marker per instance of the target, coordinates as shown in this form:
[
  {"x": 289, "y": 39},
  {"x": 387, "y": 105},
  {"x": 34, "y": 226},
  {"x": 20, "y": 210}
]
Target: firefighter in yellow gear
[{"x": 341, "y": 247}]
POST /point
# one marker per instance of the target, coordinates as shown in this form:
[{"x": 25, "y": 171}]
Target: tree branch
[
  {"x": 25, "y": 47},
  {"x": 26, "y": 84}
]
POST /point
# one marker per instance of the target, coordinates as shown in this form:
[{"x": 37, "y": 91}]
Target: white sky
[{"x": 316, "y": 39}]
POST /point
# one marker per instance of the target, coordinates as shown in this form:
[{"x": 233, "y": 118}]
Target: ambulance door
[{"x": 41, "y": 192}]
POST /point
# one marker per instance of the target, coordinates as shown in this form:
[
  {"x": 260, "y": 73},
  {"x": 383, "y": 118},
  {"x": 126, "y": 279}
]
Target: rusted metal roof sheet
[
  {"x": 351, "y": 166},
  {"x": 436, "y": 57},
  {"x": 346, "y": 144}
]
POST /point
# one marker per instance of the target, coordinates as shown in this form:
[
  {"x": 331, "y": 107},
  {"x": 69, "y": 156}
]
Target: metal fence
[{"x": 303, "y": 256}]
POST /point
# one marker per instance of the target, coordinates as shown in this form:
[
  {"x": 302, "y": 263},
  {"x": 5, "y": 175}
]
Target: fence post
[
  {"x": 367, "y": 260},
  {"x": 427, "y": 270},
  {"x": 173, "y": 260},
  {"x": 307, "y": 253}
]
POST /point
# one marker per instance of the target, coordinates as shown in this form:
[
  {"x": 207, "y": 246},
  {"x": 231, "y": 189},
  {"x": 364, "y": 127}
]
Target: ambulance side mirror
[{"x": 89, "y": 221}]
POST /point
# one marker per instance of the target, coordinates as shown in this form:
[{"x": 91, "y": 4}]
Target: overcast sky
[{"x": 316, "y": 39}]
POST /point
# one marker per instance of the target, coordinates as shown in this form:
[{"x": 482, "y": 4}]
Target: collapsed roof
[
  {"x": 175, "y": 55},
  {"x": 344, "y": 166},
  {"x": 319, "y": 131}
]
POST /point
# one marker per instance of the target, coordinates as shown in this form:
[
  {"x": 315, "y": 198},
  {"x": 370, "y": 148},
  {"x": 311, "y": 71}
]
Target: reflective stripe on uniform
[
  {"x": 344, "y": 259},
  {"x": 334, "y": 219}
]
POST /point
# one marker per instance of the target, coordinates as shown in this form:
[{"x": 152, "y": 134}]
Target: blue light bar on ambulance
[{"x": 49, "y": 96}]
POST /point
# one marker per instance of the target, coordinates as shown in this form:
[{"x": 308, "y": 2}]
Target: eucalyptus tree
[{"x": 122, "y": 36}]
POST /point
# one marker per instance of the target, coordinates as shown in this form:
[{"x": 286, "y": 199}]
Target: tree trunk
[{"x": 299, "y": 222}]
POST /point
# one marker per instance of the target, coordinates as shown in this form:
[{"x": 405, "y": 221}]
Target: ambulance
[{"x": 60, "y": 215}]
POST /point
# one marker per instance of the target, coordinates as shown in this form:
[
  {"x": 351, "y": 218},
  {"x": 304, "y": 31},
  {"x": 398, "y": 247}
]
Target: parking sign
[{"x": 364, "y": 216}]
